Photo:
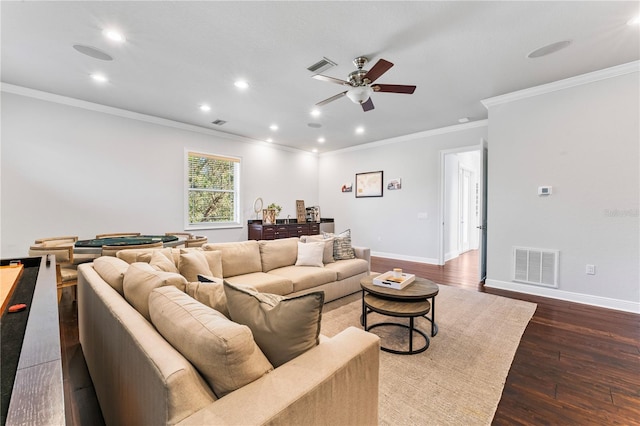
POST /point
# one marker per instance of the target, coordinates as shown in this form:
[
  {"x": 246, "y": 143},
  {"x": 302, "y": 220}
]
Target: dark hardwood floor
[{"x": 576, "y": 364}]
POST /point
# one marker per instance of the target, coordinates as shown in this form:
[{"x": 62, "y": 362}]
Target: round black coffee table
[{"x": 410, "y": 302}]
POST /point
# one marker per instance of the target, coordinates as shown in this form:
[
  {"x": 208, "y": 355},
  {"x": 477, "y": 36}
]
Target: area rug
[{"x": 459, "y": 379}]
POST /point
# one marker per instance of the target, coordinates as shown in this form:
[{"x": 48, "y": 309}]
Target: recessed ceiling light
[
  {"x": 114, "y": 35},
  {"x": 269, "y": 140},
  {"x": 314, "y": 150},
  {"x": 315, "y": 112},
  {"x": 241, "y": 84},
  {"x": 100, "y": 78},
  {"x": 321, "y": 140},
  {"x": 549, "y": 49},
  {"x": 205, "y": 107},
  {"x": 359, "y": 130},
  {"x": 274, "y": 127},
  {"x": 634, "y": 21}
]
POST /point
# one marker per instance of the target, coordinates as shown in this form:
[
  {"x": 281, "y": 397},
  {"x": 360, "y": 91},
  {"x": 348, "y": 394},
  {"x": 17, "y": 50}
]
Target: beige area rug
[{"x": 459, "y": 379}]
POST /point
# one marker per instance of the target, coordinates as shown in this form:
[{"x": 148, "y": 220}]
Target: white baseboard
[
  {"x": 405, "y": 257},
  {"x": 586, "y": 299}
]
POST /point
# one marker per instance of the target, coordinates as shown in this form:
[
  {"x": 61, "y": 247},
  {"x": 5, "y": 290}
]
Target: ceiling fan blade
[
  {"x": 368, "y": 105},
  {"x": 331, "y": 99},
  {"x": 330, "y": 79},
  {"x": 378, "y": 69},
  {"x": 394, "y": 88}
]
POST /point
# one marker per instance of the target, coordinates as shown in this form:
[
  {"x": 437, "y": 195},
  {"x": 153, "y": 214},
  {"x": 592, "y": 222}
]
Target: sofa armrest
[
  {"x": 363, "y": 253},
  {"x": 335, "y": 383}
]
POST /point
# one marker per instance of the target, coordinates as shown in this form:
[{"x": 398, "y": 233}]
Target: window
[{"x": 213, "y": 190}]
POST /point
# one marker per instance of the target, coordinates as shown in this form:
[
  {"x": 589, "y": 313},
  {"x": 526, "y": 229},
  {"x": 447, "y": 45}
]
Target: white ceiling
[{"x": 179, "y": 55}]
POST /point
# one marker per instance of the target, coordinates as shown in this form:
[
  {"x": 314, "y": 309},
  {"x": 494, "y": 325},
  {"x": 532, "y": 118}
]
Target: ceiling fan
[{"x": 361, "y": 83}]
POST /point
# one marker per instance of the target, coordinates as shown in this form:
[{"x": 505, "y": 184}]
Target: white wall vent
[{"x": 535, "y": 266}]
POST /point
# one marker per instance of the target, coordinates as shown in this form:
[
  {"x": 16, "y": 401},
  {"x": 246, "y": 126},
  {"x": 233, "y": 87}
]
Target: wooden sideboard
[{"x": 260, "y": 231}]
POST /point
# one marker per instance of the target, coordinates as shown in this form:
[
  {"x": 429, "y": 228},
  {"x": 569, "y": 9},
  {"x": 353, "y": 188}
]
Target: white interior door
[
  {"x": 482, "y": 210},
  {"x": 464, "y": 210}
]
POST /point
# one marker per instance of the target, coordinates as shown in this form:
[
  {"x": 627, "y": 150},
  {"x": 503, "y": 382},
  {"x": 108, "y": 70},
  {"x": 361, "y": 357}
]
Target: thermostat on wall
[{"x": 544, "y": 190}]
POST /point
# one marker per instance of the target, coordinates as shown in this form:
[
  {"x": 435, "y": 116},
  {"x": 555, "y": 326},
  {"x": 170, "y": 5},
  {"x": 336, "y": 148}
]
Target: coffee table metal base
[
  {"x": 412, "y": 330},
  {"x": 399, "y": 309}
]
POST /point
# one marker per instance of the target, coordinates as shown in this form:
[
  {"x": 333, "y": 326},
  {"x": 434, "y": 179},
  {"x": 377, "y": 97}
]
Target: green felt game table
[{"x": 94, "y": 245}]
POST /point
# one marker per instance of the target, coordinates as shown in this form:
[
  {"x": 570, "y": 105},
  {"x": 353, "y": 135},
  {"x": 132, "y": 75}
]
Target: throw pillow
[
  {"x": 142, "y": 255},
  {"x": 223, "y": 352},
  {"x": 327, "y": 256},
  {"x": 192, "y": 263},
  {"x": 161, "y": 262},
  {"x": 282, "y": 327},
  {"x": 310, "y": 254},
  {"x": 140, "y": 280},
  {"x": 342, "y": 245},
  {"x": 210, "y": 293},
  {"x": 112, "y": 270}
]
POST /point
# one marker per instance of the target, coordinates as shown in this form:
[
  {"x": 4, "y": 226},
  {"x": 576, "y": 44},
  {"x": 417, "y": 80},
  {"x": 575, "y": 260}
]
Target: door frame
[{"x": 442, "y": 179}]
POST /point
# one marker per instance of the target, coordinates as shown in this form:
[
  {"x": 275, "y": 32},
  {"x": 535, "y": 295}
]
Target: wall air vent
[
  {"x": 218, "y": 122},
  {"x": 322, "y": 65},
  {"x": 535, "y": 266}
]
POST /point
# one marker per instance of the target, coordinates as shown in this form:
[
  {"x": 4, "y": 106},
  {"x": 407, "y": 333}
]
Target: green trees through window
[{"x": 213, "y": 186}]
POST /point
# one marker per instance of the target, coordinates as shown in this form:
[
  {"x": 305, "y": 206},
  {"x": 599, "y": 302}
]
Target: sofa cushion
[
  {"x": 238, "y": 258},
  {"x": 210, "y": 294},
  {"x": 278, "y": 253},
  {"x": 349, "y": 268},
  {"x": 224, "y": 352},
  {"x": 261, "y": 281},
  {"x": 341, "y": 245},
  {"x": 140, "y": 280},
  {"x": 142, "y": 255},
  {"x": 310, "y": 254},
  {"x": 193, "y": 263},
  {"x": 112, "y": 270},
  {"x": 160, "y": 262},
  {"x": 327, "y": 256},
  {"x": 283, "y": 327},
  {"x": 303, "y": 278}
]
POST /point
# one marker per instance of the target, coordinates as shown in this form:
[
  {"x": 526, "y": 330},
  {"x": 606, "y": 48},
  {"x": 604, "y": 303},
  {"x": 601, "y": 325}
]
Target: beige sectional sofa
[{"x": 141, "y": 378}]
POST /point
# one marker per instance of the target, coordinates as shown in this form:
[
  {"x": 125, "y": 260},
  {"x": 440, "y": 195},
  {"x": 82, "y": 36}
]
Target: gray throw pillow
[{"x": 282, "y": 327}]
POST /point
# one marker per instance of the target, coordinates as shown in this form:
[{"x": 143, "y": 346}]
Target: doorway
[{"x": 462, "y": 207}]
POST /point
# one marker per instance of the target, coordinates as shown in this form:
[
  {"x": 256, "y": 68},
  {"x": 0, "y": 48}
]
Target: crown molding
[
  {"x": 91, "y": 106},
  {"x": 579, "y": 80},
  {"x": 410, "y": 137}
]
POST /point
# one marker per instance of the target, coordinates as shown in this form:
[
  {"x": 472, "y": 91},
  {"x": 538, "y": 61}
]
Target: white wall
[
  {"x": 584, "y": 141},
  {"x": 71, "y": 170},
  {"x": 391, "y": 225}
]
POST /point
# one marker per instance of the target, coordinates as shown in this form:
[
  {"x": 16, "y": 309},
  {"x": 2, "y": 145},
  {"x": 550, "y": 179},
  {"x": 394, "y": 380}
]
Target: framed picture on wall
[{"x": 369, "y": 184}]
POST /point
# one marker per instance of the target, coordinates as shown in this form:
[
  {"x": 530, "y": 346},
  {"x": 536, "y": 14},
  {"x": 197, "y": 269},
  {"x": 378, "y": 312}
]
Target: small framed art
[{"x": 369, "y": 184}]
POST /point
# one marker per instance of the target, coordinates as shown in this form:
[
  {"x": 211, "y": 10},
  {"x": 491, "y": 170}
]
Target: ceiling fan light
[{"x": 359, "y": 94}]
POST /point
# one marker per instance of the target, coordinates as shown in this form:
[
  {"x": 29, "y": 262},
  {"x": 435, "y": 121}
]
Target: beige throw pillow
[
  {"x": 193, "y": 263},
  {"x": 327, "y": 256},
  {"x": 223, "y": 352},
  {"x": 209, "y": 293},
  {"x": 310, "y": 254},
  {"x": 283, "y": 327},
  {"x": 160, "y": 262},
  {"x": 140, "y": 280},
  {"x": 112, "y": 270}
]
